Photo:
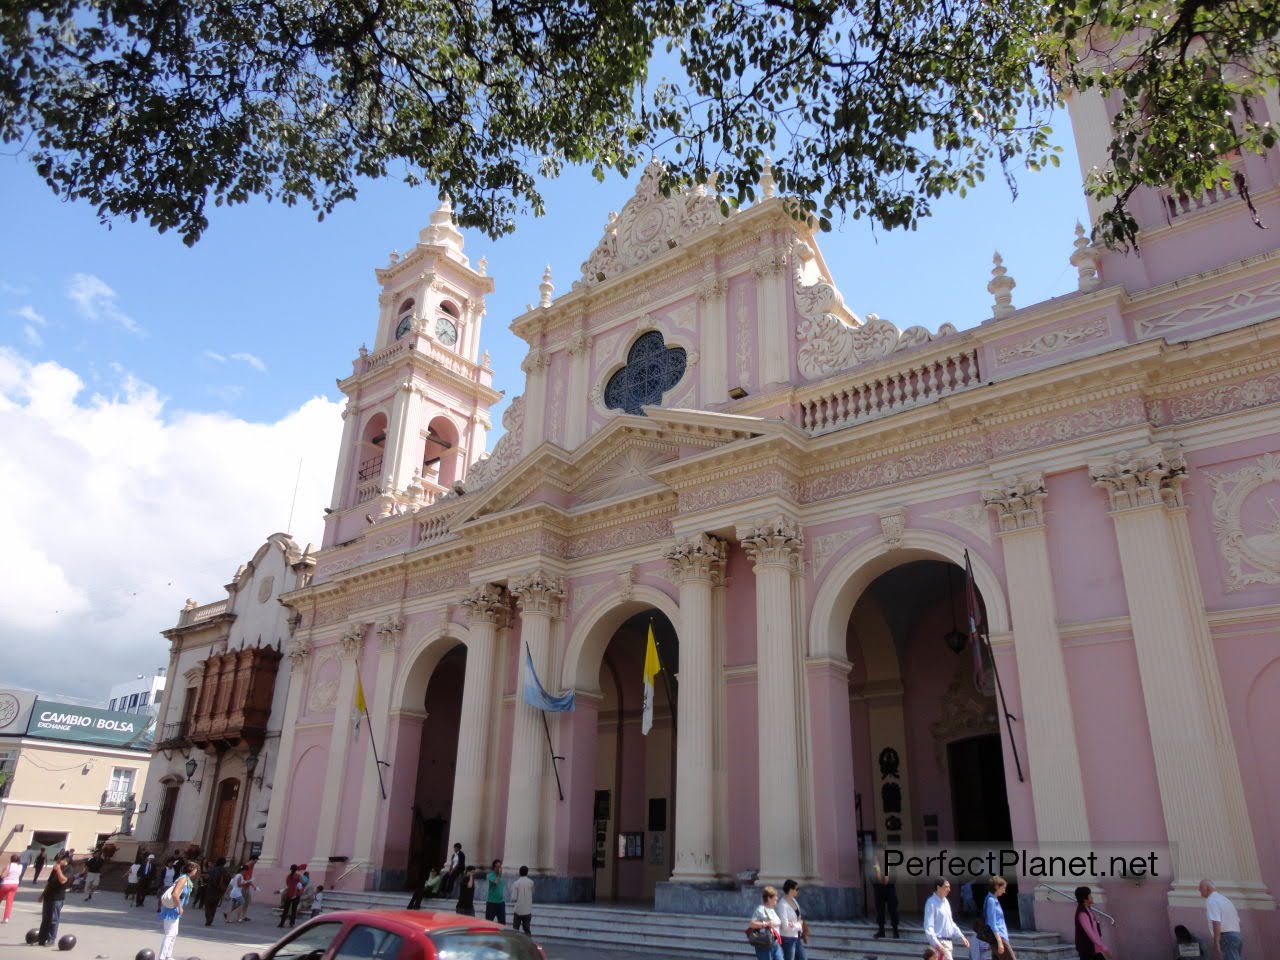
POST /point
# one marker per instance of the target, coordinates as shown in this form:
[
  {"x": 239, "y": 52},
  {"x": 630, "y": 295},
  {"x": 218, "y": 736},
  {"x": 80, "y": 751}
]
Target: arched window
[
  {"x": 405, "y": 315},
  {"x": 652, "y": 369}
]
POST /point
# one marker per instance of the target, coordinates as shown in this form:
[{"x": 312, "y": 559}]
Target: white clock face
[{"x": 446, "y": 332}]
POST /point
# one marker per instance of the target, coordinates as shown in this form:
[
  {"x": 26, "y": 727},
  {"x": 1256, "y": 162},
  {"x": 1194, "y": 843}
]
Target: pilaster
[
  {"x": 342, "y": 474},
  {"x": 698, "y": 564},
  {"x": 775, "y": 546},
  {"x": 1196, "y": 763},
  {"x": 575, "y": 426},
  {"x": 713, "y": 370},
  {"x": 299, "y": 653},
  {"x": 539, "y": 596},
  {"x": 772, "y": 328},
  {"x": 403, "y": 450},
  {"x": 1057, "y": 789},
  {"x": 488, "y": 609},
  {"x": 535, "y": 366},
  {"x": 378, "y": 699},
  {"x": 351, "y": 646}
]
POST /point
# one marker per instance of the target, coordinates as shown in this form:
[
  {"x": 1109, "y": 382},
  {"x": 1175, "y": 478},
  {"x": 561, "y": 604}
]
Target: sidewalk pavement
[{"x": 108, "y": 928}]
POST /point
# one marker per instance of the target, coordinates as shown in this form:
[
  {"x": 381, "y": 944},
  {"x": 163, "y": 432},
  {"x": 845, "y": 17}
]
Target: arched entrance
[
  {"x": 928, "y": 759},
  {"x": 224, "y": 817},
  {"x": 633, "y": 813}
]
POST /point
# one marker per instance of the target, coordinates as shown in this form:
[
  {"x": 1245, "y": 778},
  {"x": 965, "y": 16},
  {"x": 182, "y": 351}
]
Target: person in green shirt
[{"x": 495, "y": 905}]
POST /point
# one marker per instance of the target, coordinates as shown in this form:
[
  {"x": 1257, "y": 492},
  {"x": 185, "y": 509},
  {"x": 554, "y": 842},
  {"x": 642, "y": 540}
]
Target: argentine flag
[{"x": 536, "y": 695}]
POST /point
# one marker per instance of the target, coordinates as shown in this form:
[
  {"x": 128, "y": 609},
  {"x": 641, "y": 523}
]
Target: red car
[{"x": 401, "y": 935}]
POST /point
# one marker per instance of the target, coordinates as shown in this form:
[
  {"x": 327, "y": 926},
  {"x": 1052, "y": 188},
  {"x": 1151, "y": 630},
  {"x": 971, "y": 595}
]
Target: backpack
[{"x": 169, "y": 899}]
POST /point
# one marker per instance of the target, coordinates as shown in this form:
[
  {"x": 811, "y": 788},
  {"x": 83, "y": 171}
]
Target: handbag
[
  {"x": 169, "y": 899},
  {"x": 761, "y": 936},
  {"x": 804, "y": 930}
]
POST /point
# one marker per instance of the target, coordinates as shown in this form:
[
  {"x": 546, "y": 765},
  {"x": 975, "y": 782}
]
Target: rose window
[{"x": 652, "y": 369}]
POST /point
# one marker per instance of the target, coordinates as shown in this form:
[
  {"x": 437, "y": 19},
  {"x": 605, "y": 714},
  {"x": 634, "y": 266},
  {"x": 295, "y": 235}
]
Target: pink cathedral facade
[{"x": 709, "y": 444}]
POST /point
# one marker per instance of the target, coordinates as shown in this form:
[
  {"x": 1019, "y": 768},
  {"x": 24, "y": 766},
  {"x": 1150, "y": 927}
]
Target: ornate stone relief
[
  {"x": 1228, "y": 398},
  {"x": 298, "y": 652},
  {"x": 353, "y": 641},
  {"x": 1247, "y": 523},
  {"x": 488, "y": 603},
  {"x": 537, "y": 592},
  {"x": 892, "y": 526},
  {"x": 972, "y": 518},
  {"x": 324, "y": 686},
  {"x": 508, "y": 449},
  {"x": 627, "y": 472},
  {"x": 649, "y": 225},
  {"x": 742, "y": 348},
  {"x": 389, "y": 632},
  {"x": 934, "y": 459},
  {"x": 614, "y": 538},
  {"x": 829, "y": 344},
  {"x": 739, "y": 488},
  {"x": 700, "y": 557},
  {"x": 1017, "y": 502},
  {"x": 1216, "y": 309},
  {"x": 1053, "y": 341},
  {"x": 1044, "y": 431},
  {"x": 580, "y": 597},
  {"x": 828, "y": 545},
  {"x": 1142, "y": 478},
  {"x": 965, "y": 712},
  {"x": 776, "y": 541}
]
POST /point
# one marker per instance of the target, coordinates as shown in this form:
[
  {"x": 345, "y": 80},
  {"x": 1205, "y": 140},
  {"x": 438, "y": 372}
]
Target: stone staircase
[{"x": 700, "y": 937}]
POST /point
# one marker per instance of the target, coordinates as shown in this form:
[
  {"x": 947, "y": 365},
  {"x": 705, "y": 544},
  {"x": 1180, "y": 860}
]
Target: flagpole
[
  {"x": 377, "y": 763},
  {"x": 984, "y": 637},
  {"x": 546, "y": 728}
]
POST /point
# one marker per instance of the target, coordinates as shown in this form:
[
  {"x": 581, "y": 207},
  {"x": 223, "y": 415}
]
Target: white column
[
  {"x": 335, "y": 772},
  {"x": 771, "y": 317},
  {"x": 539, "y": 595},
  {"x": 280, "y": 799},
  {"x": 713, "y": 364},
  {"x": 698, "y": 563},
  {"x": 345, "y": 451},
  {"x": 1091, "y": 124},
  {"x": 488, "y": 606},
  {"x": 378, "y": 699},
  {"x": 575, "y": 426},
  {"x": 776, "y": 548},
  {"x": 1196, "y": 763},
  {"x": 404, "y": 442},
  {"x": 1057, "y": 789},
  {"x": 535, "y": 366}
]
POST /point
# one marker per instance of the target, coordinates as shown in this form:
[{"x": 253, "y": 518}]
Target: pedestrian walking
[
  {"x": 885, "y": 892},
  {"x": 249, "y": 885},
  {"x": 25, "y": 859},
  {"x": 762, "y": 931},
  {"x": 522, "y": 897},
  {"x": 290, "y": 896},
  {"x": 167, "y": 879},
  {"x": 1224, "y": 923},
  {"x": 39, "y": 863},
  {"x": 215, "y": 887},
  {"x": 237, "y": 894},
  {"x": 940, "y": 927},
  {"x": 173, "y": 900},
  {"x": 9, "y": 884},
  {"x": 131, "y": 882},
  {"x": 993, "y": 930},
  {"x": 315, "y": 904},
  {"x": 467, "y": 893},
  {"x": 1089, "y": 943},
  {"x": 792, "y": 931},
  {"x": 51, "y": 900},
  {"x": 146, "y": 880},
  {"x": 495, "y": 901},
  {"x": 92, "y": 874}
]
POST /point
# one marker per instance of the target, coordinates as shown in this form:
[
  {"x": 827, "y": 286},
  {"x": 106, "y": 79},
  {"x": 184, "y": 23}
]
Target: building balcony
[
  {"x": 174, "y": 735},
  {"x": 234, "y": 701},
  {"x": 113, "y": 800}
]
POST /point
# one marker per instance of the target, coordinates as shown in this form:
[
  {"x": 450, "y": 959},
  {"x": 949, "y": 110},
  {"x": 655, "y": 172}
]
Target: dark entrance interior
[
  {"x": 437, "y": 760},
  {"x": 981, "y": 805}
]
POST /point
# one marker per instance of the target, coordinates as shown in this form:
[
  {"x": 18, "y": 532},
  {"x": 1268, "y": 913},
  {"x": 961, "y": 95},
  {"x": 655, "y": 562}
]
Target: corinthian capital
[
  {"x": 487, "y": 603},
  {"x": 299, "y": 650},
  {"x": 1017, "y": 502},
  {"x": 701, "y": 557},
  {"x": 389, "y": 632},
  {"x": 776, "y": 541},
  {"x": 537, "y": 592},
  {"x": 1142, "y": 478},
  {"x": 353, "y": 641}
]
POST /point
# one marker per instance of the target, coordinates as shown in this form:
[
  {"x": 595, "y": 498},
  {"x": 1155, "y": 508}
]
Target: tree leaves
[{"x": 157, "y": 109}]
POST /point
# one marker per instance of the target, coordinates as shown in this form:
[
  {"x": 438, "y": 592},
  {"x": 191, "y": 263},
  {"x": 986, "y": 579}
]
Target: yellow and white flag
[
  {"x": 361, "y": 708},
  {"x": 652, "y": 665}
]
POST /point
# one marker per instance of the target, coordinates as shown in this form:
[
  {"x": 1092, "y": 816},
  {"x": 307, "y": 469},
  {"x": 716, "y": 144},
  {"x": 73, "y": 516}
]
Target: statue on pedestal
[{"x": 126, "y": 816}]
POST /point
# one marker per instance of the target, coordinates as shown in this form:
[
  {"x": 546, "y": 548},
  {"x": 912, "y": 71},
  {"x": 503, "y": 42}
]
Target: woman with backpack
[{"x": 172, "y": 900}]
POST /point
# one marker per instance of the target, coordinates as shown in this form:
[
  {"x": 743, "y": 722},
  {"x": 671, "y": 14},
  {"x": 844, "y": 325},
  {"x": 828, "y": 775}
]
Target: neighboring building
[
  {"x": 67, "y": 772},
  {"x": 138, "y": 696},
  {"x": 219, "y": 720},
  {"x": 712, "y": 446}
]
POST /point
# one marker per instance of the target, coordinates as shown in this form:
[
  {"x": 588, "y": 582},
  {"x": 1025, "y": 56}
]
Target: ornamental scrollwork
[{"x": 1248, "y": 532}]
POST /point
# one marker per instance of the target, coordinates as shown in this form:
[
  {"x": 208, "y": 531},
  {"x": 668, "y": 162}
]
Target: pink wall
[
  {"x": 574, "y": 817},
  {"x": 834, "y": 785},
  {"x": 298, "y": 841},
  {"x": 1077, "y": 526},
  {"x": 740, "y": 611},
  {"x": 403, "y": 754},
  {"x": 741, "y": 733}
]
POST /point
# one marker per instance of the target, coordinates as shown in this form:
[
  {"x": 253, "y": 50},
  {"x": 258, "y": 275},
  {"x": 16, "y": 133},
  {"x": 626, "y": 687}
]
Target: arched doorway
[
  {"x": 224, "y": 818},
  {"x": 633, "y": 814},
  {"x": 928, "y": 758}
]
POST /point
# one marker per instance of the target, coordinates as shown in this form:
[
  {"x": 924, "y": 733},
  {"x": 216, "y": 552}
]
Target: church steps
[{"x": 704, "y": 937}]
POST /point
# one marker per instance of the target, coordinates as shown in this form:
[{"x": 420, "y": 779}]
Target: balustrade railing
[
  {"x": 384, "y": 356},
  {"x": 202, "y": 613},
  {"x": 868, "y": 396},
  {"x": 114, "y": 799}
]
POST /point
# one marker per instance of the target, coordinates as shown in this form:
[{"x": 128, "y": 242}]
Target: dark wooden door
[
  {"x": 224, "y": 818},
  {"x": 167, "y": 806}
]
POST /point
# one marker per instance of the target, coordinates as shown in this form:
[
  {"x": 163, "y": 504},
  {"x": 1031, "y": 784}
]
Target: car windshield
[
  {"x": 311, "y": 942},
  {"x": 483, "y": 945}
]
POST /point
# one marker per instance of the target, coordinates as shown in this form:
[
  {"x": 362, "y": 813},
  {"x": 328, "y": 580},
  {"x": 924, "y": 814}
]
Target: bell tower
[{"x": 417, "y": 412}]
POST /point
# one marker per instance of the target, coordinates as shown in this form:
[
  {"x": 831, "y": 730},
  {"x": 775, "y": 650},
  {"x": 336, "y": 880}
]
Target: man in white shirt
[
  {"x": 1224, "y": 923},
  {"x": 939, "y": 927},
  {"x": 522, "y": 909}
]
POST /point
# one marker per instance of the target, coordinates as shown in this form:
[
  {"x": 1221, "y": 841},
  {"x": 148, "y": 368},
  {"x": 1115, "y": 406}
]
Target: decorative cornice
[
  {"x": 701, "y": 557},
  {"x": 774, "y": 542},
  {"x": 537, "y": 592},
  {"x": 1017, "y": 502},
  {"x": 1150, "y": 476},
  {"x": 488, "y": 603}
]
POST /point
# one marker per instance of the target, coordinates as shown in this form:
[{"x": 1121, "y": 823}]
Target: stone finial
[
  {"x": 1001, "y": 287},
  {"x": 394, "y": 257},
  {"x": 545, "y": 288},
  {"x": 485, "y": 359},
  {"x": 767, "y": 184},
  {"x": 1085, "y": 259},
  {"x": 442, "y": 231},
  {"x": 363, "y": 351},
  {"x": 482, "y": 267}
]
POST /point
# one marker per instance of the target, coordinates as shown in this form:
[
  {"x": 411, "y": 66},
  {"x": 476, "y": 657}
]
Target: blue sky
[{"x": 155, "y": 399}]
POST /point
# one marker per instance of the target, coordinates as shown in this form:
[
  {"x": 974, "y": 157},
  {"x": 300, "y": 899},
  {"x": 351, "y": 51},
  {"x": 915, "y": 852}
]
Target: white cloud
[
  {"x": 32, "y": 335},
  {"x": 214, "y": 356},
  {"x": 251, "y": 360},
  {"x": 31, "y": 315},
  {"x": 95, "y": 300},
  {"x": 13, "y": 289},
  {"x": 115, "y": 510}
]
